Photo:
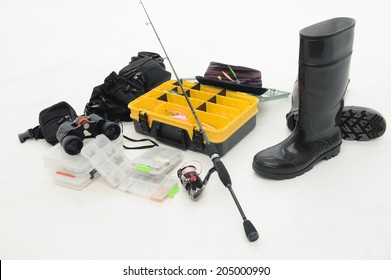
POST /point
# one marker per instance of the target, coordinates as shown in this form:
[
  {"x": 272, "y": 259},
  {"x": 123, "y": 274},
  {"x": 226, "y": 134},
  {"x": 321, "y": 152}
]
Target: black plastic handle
[
  {"x": 219, "y": 165},
  {"x": 222, "y": 171},
  {"x": 250, "y": 230},
  {"x": 173, "y": 136}
]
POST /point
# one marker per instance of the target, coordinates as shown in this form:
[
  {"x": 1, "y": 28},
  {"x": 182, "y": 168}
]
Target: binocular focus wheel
[{"x": 72, "y": 144}]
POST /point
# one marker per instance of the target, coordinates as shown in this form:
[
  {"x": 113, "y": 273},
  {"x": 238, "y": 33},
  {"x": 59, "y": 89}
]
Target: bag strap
[
  {"x": 154, "y": 144},
  {"x": 31, "y": 133}
]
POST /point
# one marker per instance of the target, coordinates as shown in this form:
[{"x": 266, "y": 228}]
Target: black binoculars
[{"x": 71, "y": 133}]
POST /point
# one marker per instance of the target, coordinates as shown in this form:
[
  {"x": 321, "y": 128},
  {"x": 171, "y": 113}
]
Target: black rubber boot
[
  {"x": 324, "y": 61},
  {"x": 357, "y": 123}
]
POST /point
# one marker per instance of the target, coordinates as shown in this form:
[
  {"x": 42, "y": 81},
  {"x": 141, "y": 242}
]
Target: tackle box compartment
[
  {"x": 74, "y": 172},
  {"x": 163, "y": 113},
  {"x": 157, "y": 162},
  {"x": 117, "y": 169},
  {"x": 71, "y": 171}
]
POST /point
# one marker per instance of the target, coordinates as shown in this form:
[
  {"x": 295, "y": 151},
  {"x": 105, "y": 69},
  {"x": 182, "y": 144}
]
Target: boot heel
[{"x": 332, "y": 153}]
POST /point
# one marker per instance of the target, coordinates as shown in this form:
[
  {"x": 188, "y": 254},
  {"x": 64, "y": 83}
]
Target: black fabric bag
[
  {"x": 233, "y": 77},
  {"x": 110, "y": 100},
  {"x": 50, "y": 120}
]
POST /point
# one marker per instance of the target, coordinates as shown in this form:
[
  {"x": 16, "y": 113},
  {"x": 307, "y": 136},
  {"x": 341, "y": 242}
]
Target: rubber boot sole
[
  {"x": 277, "y": 176},
  {"x": 357, "y": 123}
]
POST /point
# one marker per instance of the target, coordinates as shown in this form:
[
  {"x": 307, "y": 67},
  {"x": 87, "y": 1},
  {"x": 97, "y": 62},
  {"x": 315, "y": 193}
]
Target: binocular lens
[
  {"x": 111, "y": 130},
  {"x": 72, "y": 145}
]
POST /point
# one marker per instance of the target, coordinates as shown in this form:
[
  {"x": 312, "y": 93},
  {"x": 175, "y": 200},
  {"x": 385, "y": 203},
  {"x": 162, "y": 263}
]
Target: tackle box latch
[
  {"x": 198, "y": 140},
  {"x": 143, "y": 121}
]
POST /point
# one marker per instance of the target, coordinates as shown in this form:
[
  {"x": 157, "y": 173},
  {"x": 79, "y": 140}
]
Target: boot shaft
[
  {"x": 324, "y": 62},
  {"x": 326, "y": 42}
]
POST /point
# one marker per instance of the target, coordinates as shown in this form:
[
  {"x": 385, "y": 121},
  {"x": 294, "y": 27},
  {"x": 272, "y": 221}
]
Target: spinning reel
[{"x": 191, "y": 180}]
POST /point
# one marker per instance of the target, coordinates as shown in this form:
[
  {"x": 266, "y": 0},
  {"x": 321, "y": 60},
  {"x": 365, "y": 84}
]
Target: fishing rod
[{"x": 250, "y": 230}]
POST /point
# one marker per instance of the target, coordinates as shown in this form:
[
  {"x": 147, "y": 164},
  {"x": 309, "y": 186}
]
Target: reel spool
[{"x": 191, "y": 180}]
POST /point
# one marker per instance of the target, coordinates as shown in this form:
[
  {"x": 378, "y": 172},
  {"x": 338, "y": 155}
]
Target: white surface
[{"x": 53, "y": 51}]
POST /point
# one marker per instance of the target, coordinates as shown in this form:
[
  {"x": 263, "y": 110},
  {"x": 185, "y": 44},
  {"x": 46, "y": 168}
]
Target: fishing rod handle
[{"x": 219, "y": 166}]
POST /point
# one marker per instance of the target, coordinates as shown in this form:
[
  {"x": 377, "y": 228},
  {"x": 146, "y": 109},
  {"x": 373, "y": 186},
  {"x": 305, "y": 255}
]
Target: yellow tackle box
[{"x": 163, "y": 113}]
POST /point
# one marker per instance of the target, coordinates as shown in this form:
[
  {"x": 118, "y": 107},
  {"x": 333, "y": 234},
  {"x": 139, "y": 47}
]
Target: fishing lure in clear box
[
  {"x": 118, "y": 171},
  {"x": 157, "y": 161},
  {"x": 191, "y": 180}
]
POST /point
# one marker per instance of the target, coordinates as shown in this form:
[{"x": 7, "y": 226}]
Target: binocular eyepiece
[{"x": 71, "y": 134}]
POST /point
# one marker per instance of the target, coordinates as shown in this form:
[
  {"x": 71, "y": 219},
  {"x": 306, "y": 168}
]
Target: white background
[{"x": 59, "y": 50}]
